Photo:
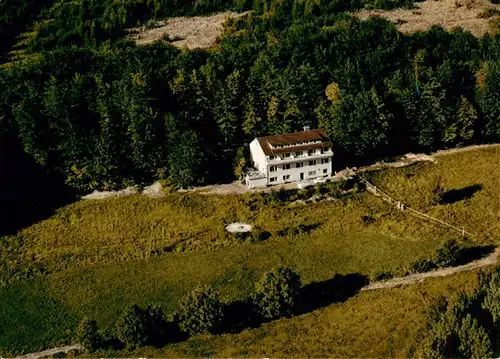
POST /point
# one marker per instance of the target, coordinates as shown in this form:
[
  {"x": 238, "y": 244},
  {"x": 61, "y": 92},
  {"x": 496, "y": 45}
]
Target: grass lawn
[
  {"x": 31, "y": 317},
  {"x": 104, "y": 255}
]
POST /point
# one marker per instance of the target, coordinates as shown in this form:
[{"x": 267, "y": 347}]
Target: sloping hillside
[
  {"x": 476, "y": 16},
  {"x": 198, "y": 32}
]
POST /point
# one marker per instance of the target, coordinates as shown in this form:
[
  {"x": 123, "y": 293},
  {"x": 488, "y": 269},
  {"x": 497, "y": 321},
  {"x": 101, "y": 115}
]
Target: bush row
[
  {"x": 450, "y": 254},
  {"x": 201, "y": 311},
  {"x": 328, "y": 189}
]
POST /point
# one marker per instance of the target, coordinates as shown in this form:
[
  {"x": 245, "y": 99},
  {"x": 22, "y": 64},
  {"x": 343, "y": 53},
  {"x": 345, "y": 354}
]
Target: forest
[{"x": 82, "y": 103}]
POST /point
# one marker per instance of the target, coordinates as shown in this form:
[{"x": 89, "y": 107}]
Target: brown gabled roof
[{"x": 294, "y": 138}]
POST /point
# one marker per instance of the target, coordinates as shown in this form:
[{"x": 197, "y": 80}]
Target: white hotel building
[{"x": 290, "y": 157}]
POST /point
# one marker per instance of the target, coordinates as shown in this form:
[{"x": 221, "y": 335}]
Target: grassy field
[
  {"x": 386, "y": 323},
  {"x": 104, "y": 255},
  {"x": 471, "y": 181},
  {"x": 137, "y": 228}
]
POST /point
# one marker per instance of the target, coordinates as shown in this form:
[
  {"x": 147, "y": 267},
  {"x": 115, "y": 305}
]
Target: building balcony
[{"x": 292, "y": 158}]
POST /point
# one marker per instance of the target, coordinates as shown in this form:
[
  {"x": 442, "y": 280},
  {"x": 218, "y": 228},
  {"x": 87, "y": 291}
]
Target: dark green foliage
[
  {"x": 103, "y": 113},
  {"x": 296, "y": 229},
  {"x": 458, "y": 330},
  {"x": 367, "y": 220},
  {"x": 448, "y": 255},
  {"x": 492, "y": 298},
  {"x": 276, "y": 293},
  {"x": 422, "y": 266},
  {"x": 359, "y": 124},
  {"x": 241, "y": 236},
  {"x": 201, "y": 311},
  {"x": 131, "y": 327},
  {"x": 88, "y": 336}
]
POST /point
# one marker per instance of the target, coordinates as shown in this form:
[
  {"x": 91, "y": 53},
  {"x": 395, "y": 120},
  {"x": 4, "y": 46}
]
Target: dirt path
[
  {"x": 420, "y": 277},
  {"x": 464, "y": 149},
  {"x": 51, "y": 352},
  {"x": 238, "y": 188},
  {"x": 387, "y": 284}
]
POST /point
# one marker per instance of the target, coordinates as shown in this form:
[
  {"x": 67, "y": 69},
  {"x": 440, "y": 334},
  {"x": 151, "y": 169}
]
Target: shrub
[
  {"x": 448, "y": 254},
  {"x": 347, "y": 184},
  {"x": 276, "y": 293},
  {"x": 433, "y": 191},
  {"x": 474, "y": 341},
  {"x": 422, "y": 266},
  {"x": 131, "y": 327},
  {"x": 201, "y": 311},
  {"x": 272, "y": 197},
  {"x": 241, "y": 236},
  {"x": 456, "y": 333},
  {"x": 88, "y": 336},
  {"x": 367, "y": 220},
  {"x": 295, "y": 230},
  {"x": 492, "y": 298}
]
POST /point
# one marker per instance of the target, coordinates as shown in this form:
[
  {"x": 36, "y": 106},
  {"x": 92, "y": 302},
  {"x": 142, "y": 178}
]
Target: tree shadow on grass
[
  {"x": 456, "y": 195},
  {"x": 28, "y": 192},
  {"x": 470, "y": 254},
  {"x": 159, "y": 335},
  {"x": 241, "y": 315},
  {"x": 337, "y": 289}
]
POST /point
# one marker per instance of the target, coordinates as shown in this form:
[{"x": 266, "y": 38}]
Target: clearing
[
  {"x": 198, "y": 32},
  {"x": 449, "y": 14},
  {"x": 93, "y": 258}
]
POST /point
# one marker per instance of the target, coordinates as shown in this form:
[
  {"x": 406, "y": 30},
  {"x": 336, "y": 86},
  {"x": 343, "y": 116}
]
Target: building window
[
  {"x": 312, "y": 163},
  {"x": 325, "y": 171},
  {"x": 297, "y": 154},
  {"x": 310, "y": 152},
  {"x": 322, "y": 150},
  {"x": 312, "y": 173},
  {"x": 299, "y": 165},
  {"x": 286, "y": 167},
  {"x": 273, "y": 179},
  {"x": 272, "y": 157},
  {"x": 287, "y": 154},
  {"x": 286, "y": 178},
  {"x": 324, "y": 160},
  {"x": 273, "y": 168}
]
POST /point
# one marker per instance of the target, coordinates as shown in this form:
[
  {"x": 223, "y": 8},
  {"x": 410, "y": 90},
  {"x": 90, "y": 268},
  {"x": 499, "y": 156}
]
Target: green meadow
[{"x": 93, "y": 258}]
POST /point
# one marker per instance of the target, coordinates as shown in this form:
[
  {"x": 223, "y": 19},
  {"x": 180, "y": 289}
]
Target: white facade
[{"x": 302, "y": 162}]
